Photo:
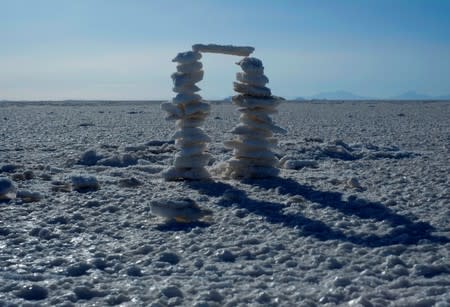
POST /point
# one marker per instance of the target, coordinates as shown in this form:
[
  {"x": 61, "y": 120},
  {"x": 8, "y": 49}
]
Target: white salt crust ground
[{"x": 360, "y": 218}]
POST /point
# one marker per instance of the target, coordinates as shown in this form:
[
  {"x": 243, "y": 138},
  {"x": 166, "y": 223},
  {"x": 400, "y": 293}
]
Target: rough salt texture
[
  {"x": 254, "y": 144},
  {"x": 190, "y": 112},
  {"x": 224, "y": 49},
  {"x": 311, "y": 236}
]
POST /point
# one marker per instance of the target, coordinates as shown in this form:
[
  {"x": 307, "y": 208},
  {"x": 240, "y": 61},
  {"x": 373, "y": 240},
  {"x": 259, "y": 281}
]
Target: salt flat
[{"x": 358, "y": 216}]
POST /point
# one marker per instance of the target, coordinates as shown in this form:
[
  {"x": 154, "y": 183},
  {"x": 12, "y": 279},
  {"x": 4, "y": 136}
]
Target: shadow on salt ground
[{"x": 404, "y": 230}]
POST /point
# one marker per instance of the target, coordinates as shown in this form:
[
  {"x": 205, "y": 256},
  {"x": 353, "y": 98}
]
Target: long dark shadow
[{"x": 405, "y": 230}]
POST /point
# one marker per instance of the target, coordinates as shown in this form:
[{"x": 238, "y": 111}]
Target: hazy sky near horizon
[{"x": 117, "y": 49}]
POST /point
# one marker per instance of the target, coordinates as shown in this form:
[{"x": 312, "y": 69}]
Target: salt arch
[{"x": 253, "y": 155}]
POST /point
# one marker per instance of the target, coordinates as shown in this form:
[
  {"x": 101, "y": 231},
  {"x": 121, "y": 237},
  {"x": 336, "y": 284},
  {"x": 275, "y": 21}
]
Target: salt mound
[
  {"x": 7, "y": 189},
  {"x": 181, "y": 210}
]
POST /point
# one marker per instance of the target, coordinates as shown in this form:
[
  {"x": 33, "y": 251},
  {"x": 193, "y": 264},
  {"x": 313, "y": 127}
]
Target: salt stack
[
  {"x": 189, "y": 111},
  {"x": 253, "y": 155}
]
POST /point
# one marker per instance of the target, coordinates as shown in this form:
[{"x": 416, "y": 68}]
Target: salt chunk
[
  {"x": 180, "y": 209},
  {"x": 83, "y": 183},
  {"x": 187, "y": 57},
  {"x": 224, "y": 49}
]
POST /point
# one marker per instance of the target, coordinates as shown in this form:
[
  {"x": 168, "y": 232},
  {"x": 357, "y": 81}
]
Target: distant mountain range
[{"x": 344, "y": 95}]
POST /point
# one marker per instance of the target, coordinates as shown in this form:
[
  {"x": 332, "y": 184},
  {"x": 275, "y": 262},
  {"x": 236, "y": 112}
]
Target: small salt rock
[
  {"x": 32, "y": 292},
  {"x": 89, "y": 158},
  {"x": 85, "y": 293},
  {"x": 226, "y": 256},
  {"x": 354, "y": 183},
  {"x": 7, "y": 189},
  {"x": 180, "y": 209},
  {"x": 28, "y": 196},
  {"x": 59, "y": 186},
  {"x": 130, "y": 182},
  {"x": 214, "y": 295},
  {"x": 172, "y": 291},
  {"x": 82, "y": 183},
  {"x": 134, "y": 270},
  {"x": 9, "y": 168},
  {"x": 28, "y": 175},
  {"x": 117, "y": 299},
  {"x": 78, "y": 269},
  {"x": 169, "y": 257}
]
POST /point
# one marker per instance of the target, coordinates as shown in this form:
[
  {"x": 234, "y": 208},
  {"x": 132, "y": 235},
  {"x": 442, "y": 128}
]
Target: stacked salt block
[
  {"x": 224, "y": 49},
  {"x": 189, "y": 111},
  {"x": 253, "y": 155}
]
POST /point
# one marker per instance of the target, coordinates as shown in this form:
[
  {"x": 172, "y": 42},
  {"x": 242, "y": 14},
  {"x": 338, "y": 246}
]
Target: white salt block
[
  {"x": 191, "y": 161},
  {"x": 250, "y": 101},
  {"x": 171, "y": 117},
  {"x": 258, "y": 140},
  {"x": 248, "y": 162},
  {"x": 263, "y": 126},
  {"x": 254, "y": 154},
  {"x": 179, "y": 209},
  {"x": 251, "y": 65},
  {"x": 171, "y": 109},
  {"x": 190, "y": 68},
  {"x": 248, "y": 144},
  {"x": 193, "y": 149},
  {"x": 251, "y": 90},
  {"x": 252, "y": 78},
  {"x": 186, "y": 98},
  {"x": 242, "y": 129},
  {"x": 224, "y": 49},
  {"x": 192, "y": 134},
  {"x": 181, "y": 143},
  {"x": 182, "y": 79},
  {"x": 189, "y": 123},
  {"x": 187, "y": 57},
  {"x": 193, "y": 108},
  {"x": 190, "y": 88},
  {"x": 256, "y": 116}
]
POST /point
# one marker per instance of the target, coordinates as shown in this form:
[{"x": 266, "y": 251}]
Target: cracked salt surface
[{"x": 359, "y": 216}]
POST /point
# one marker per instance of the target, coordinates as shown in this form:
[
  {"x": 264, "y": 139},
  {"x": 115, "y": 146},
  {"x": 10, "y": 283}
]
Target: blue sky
[{"x": 111, "y": 49}]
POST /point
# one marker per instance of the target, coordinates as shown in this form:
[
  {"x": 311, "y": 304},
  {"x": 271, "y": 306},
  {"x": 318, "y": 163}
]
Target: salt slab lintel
[{"x": 224, "y": 49}]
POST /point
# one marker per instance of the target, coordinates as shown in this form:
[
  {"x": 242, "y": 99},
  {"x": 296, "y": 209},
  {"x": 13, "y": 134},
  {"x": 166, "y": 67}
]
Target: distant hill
[
  {"x": 339, "y": 95},
  {"x": 412, "y": 95}
]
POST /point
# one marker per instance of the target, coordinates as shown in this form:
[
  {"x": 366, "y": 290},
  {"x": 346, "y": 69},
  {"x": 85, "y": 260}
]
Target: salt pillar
[
  {"x": 189, "y": 111},
  {"x": 254, "y": 142}
]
